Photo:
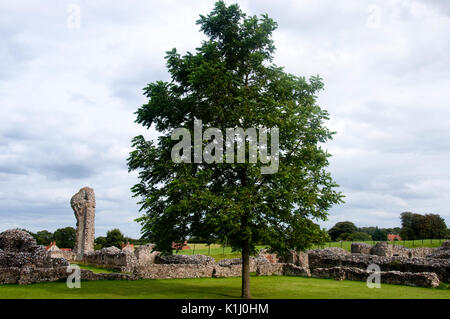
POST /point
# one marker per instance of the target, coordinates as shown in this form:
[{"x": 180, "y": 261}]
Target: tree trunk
[{"x": 246, "y": 271}]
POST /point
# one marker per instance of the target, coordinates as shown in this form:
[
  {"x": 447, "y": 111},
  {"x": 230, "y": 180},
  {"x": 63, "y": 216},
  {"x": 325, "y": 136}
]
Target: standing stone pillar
[{"x": 83, "y": 205}]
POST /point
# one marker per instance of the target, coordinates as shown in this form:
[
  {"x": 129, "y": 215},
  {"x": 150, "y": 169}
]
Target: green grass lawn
[{"x": 273, "y": 287}]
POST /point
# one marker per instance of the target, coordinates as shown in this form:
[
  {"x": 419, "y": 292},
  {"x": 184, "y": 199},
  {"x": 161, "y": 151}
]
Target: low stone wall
[
  {"x": 361, "y": 248},
  {"x": 442, "y": 252},
  {"x": 441, "y": 267},
  {"x": 270, "y": 269},
  {"x": 171, "y": 271},
  {"x": 112, "y": 257},
  {"x": 184, "y": 259},
  {"x": 280, "y": 269},
  {"x": 22, "y": 261},
  {"x": 89, "y": 275},
  {"x": 424, "y": 279},
  {"x": 145, "y": 255},
  {"x": 298, "y": 258},
  {"x": 66, "y": 254},
  {"x": 388, "y": 250}
]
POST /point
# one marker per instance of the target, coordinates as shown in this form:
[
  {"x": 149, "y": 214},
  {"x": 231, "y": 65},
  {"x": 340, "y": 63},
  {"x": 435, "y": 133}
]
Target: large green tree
[
  {"x": 231, "y": 82},
  {"x": 342, "y": 228},
  {"x": 114, "y": 238},
  {"x": 43, "y": 237},
  {"x": 428, "y": 226},
  {"x": 65, "y": 237}
]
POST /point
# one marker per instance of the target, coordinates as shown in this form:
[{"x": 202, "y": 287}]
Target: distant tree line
[
  {"x": 414, "y": 226},
  {"x": 428, "y": 226},
  {"x": 115, "y": 238},
  {"x": 64, "y": 237}
]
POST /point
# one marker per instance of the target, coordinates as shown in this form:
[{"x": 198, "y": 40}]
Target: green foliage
[
  {"x": 380, "y": 234},
  {"x": 360, "y": 236},
  {"x": 43, "y": 237},
  {"x": 65, "y": 237},
  {"x": 230, "y": 82},
  {"x": 100, "y": 242},
  {"x": 416, "y": 226},
  {"x": 342, "y": 228},
  {"x": 114, "y": 238}
]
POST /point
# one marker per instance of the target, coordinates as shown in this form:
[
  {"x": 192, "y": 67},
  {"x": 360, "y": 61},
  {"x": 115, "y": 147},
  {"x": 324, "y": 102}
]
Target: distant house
[
  {"x": 53, "y": 247},
  {"x": 180, "y": 246},
  {"x": 392, "y": 237}
]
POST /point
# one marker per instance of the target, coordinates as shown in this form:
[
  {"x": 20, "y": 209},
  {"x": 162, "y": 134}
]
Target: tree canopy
[
  {"x": 428, "y": 226},
  {"x": 230, "y": 81}
]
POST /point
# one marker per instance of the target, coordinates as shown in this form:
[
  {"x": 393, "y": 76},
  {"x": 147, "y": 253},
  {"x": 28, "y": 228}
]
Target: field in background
[
  {"x": 433, "y": 243},
  {"x": 218, "y": 252},
  {"x": 271, "y": 287}
]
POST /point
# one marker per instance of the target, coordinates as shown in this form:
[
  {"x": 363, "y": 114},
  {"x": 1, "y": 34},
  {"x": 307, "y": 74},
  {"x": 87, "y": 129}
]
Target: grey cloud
[{"x": 67, "y": 98}]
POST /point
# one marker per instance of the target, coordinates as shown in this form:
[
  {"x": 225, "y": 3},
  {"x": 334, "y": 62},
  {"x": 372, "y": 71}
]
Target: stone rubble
[{"x": 22, "y": 261}]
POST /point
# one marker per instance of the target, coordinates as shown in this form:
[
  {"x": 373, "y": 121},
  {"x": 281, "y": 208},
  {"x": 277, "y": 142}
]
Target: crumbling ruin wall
[
  {"x": 83, "y": 205},
  {"x": 323, "y": 259},
  {"x": 22, "y": 261},
  {"x": 112, "y": 257},
  {"x": 171, "y": 271},
  {"x": 66, "y": 254},
  {"x": 424, "y": 279},
  {"x": 145, "y": 255},
  {"x": 388, "y": 250}
]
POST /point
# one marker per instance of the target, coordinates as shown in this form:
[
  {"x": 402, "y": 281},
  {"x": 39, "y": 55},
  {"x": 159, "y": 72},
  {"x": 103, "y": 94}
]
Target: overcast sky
[{"x": 72, "y": 73}]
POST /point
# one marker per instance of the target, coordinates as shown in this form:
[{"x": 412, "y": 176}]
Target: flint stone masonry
[
  {"x": 22, "y": 261},
  {"x": 112, "y": 257},
  {"x": 145, "y": 255},
  {"x": 385, "y": 249},
  {"x": 442, "y": 252},
  {"x": 361, "y": 248},
  {"x": 282, "y": 269},
  {"x": 83, "y": 205},
  {"x": 66, "y": 254},
  {"x": 184, "y": 259},
  {"x": 298, "y": 258},
  {"x": 321, "y": 259},
  {"x": 254, "y": 262},
  {"x": 424, "y": 279},
  {"x": 89, "y": 275},
  {"x": 171, "y": 271}
]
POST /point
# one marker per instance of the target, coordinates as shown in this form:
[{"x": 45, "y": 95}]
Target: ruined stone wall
[
  {"x": 385, "y": 249},
  {"x": 145, "y": 255},
  {"x": 425, "y": 279},
  {"x": 66, "y": 254},
  {"x": 171, "y": 271},
  {"x": 285, "y": 269},
  {"x": 112, "y": 257},
  {"x": 22, "y": 261},
  {"x": 320, "y": 259},
  {"x": 83, "y": 205}
]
